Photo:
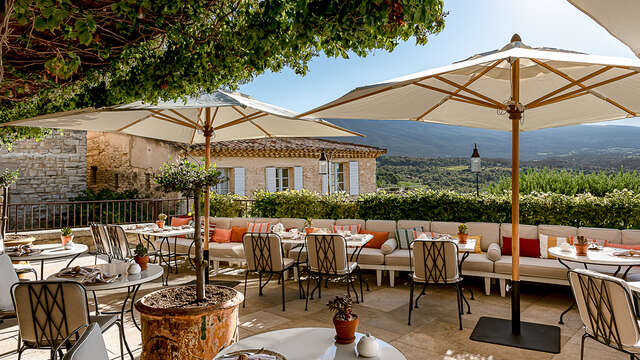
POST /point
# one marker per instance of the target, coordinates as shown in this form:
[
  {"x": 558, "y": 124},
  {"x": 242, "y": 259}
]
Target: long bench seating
[{"x": 389, "y": 258}]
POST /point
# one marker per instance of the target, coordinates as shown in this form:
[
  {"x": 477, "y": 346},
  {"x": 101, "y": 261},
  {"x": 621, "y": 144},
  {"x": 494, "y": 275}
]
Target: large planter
[{"x": 187, "y": 332}]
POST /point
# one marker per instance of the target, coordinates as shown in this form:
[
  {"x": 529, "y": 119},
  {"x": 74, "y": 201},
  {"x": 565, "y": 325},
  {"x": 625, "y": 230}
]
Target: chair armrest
[
  {"x": 494, "y": 253},
  {"x": 388, "y": 246}
]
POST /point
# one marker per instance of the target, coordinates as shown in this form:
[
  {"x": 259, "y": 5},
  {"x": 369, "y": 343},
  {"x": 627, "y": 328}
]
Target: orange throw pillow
[
  {"x": 379, "y": 237},
  {"x": 179, "y": 221},
  {"x": 237, "y": 233},
  {"x": 222, "y": 235}
]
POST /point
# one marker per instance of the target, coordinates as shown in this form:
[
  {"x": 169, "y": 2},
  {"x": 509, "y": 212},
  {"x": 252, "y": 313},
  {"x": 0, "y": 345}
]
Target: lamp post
[
  {"x": 323, "y": 169},
  {"x": 476, "y": 167}
]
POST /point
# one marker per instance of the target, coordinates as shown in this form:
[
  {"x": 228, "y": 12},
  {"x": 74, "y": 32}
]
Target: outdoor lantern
[
  {"x": 476, "y": 165},
  {"x": 323, "y": 164}
]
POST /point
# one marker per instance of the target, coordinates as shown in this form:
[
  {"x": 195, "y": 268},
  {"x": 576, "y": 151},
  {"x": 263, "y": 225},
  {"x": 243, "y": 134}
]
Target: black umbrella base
[{"x": 532, "y": 336}]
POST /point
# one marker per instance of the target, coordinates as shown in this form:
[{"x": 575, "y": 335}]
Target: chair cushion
[
  {"x": 489, "y": 232},
  {"x": 610, "y": 235},
  {"x": 544, "y": 268},
  {"x": 293, "y": 223},
  {"x": 382, "y": 226},
  {"x": 525, "y": 231},
  {"x": 322, "y": 223},
  {"x": 558, "y": 230},
  {"x": 104, "y": 321},
  {"x": 368, "y": 256},
  {"x": 298, "y": 254},
  {"x": 379, "y": 237},
  {"x": 237, "y": 233},
  {"x": 238, "y": 222},
  {"x": 478, "y": 262},
  {"x": 227, "y": 250},
  {"x": 408, "y": 224},
  {"x": 444, "y": 227},
  {"x": 630, "y": 237},
  {"x": 400, "y": 257}
]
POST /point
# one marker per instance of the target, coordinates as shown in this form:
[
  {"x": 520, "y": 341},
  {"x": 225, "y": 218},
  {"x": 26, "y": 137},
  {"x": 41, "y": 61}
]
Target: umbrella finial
[{"x": 516, "y": 37}]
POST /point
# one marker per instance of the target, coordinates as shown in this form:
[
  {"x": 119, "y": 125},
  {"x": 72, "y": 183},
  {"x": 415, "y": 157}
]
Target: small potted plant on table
[
  {"x": 345, "y": 321},
  {"x": 66, "y": 236},
  {"x": 141, "y": 257},
  {"x": 463, "y": 233},
  {"x": 581, "y": 245},
  {"x": 161, "y": 219}
]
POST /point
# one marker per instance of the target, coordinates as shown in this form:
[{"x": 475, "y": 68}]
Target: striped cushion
[
  {"x": 406, "y": 236},
  {"x": 258, "y": 227},
  {"x": 354, "y": 229},
  {"x": 212, "y": 229}
]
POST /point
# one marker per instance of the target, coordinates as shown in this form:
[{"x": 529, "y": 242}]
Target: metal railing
[{"x": 56, "y": 215}]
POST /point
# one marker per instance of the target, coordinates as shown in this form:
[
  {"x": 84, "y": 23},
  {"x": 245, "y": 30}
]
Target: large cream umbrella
[
  {"x": 516, "y": 88},
  {"x": 209, "y": 117},
  {"x": 619, "y": 17}
]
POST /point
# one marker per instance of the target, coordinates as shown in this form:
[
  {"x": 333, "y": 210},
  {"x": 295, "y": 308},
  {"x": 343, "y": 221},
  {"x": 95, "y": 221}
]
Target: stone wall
[{"x": 53, "y": 169}]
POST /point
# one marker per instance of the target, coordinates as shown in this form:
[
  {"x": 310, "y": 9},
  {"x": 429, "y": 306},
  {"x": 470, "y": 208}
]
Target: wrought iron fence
[{"x": 55, "y": 215}]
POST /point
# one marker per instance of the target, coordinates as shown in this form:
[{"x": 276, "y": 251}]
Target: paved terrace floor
[{"x": 433, "y": 334}]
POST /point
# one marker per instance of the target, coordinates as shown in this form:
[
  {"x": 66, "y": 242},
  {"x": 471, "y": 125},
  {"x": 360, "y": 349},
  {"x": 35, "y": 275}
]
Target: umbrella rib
[
  {"x": 582, "y": 91},
  {"x": 238, "y": 110},
  {"x": 471, "y": 81},
  {"x": 328, "y": 124},
  {"x": 170, "y": 119},
  {"x": 253, "y": 116},
  {"x": 579, "y": 83},
  {"x": 185, "y": 118},
  {"x": 571, "y": 84},
  {"x": 135, "y": 122},
  {"x": 454, "y": 95},
  {"x": 329, "y": 106},
  {"x": 472, "y": 92},
  {"x": 260, "y": 127},
  {"x": 490, "y": 106}
]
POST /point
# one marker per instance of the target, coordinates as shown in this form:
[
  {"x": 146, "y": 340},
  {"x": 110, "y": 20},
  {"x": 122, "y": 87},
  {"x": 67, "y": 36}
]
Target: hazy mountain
[{"x": 408, "y": 138}]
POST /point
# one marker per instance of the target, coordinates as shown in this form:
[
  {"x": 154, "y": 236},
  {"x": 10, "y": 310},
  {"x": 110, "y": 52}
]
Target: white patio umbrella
[
  {"x": 208, "y": 117},
  {"x": 619, "y": 17},
  {"x": 516, "y": 88}
]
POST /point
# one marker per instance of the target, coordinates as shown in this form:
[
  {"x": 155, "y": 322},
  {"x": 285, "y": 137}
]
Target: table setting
[
  {"x": 22, "y": 250},
  {"x": 87, "y": 275}
]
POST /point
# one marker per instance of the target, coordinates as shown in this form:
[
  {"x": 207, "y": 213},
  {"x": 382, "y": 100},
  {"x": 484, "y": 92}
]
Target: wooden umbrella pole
[
  {"x": 515, "y": 114},
  {"x": 208, "y": 132}
]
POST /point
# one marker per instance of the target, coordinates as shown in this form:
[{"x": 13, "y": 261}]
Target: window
[
  {"x": 337, "y": 177},
  {"x": 223, "y": 187},
  {"x": 282, "y": 179}
]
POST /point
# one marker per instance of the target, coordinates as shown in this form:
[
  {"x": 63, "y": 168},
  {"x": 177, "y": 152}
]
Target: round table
[
  {"x": 130, "y": 281},
  {"x": 603, "y": 257},
  {"x": 310, "y": 344},
  {"x": 50, "y": 252}
]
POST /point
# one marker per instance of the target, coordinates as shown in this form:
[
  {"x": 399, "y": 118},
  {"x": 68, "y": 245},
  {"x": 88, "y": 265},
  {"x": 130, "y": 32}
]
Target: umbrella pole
[
  {"x": 515, "y": 221},
  {"x": 208, "y": 132}
]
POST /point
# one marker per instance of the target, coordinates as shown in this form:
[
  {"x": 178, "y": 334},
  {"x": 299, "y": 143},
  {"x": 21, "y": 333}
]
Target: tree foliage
[
  {"x": 187, "y": 177},
  {"x": 61, "y": 55}
]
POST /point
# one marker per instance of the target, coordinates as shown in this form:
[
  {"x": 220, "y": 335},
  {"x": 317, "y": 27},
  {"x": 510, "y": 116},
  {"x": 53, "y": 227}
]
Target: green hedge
[{"x": 618, "y": 209}]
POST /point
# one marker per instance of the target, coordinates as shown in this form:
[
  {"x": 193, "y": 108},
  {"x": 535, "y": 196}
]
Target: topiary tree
[
  {"x": 7, "y": 178},
  {"x": 191, "y": 179}
]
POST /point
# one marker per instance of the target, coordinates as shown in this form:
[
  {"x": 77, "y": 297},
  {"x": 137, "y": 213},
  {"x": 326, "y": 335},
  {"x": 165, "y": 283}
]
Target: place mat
[
  {"x": 87, "y": 275},
  {"x": 626, "y": 253},
  {"x": 22, "y": 250},
  {"x": 253, "y": 354}
]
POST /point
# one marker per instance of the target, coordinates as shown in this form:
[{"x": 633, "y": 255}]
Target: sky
[{"x": 471, "y": 27}]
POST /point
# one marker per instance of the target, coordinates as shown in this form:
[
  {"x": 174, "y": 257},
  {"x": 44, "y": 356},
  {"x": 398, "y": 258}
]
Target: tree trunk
[
  {"x": 3, "y": 216},
  {"x": 200, "y": 266}
]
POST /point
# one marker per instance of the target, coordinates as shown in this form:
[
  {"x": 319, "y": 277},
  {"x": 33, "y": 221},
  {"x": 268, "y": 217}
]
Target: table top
[
  {"x": 152, "y": 272},
  {"x": 600, "y": 257},
  {"x": 468, "y": 247},
  {"x": 51, "y": 252},
  {"x": 149, "y": 231},
  {"x": 351, "y": 241},
  {"x": 310, "y": 344}
]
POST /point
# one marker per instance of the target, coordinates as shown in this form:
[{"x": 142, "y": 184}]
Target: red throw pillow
[
  {"x": 379, "y": 237},
  {"x": 622, "y": 246},
  {"x": 237, "y": 233},
  {"x": 528, "y": 247},
  {"x": 222, "y": 235}
]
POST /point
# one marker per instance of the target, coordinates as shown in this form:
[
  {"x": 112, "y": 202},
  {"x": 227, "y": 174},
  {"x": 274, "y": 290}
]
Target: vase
[
  {"x": 65, "y": 239},
  {"x": 462, "y": 238},
  {"x": 160, "y": 223},
  {"x": 581, "y": 249},
  {"x": 142, "y": 261},
  {"x": 345, "y": 330}
]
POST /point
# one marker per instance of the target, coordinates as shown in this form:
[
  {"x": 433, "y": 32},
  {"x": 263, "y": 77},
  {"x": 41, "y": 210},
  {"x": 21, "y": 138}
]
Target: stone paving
[{"x": 433, "y": 334}]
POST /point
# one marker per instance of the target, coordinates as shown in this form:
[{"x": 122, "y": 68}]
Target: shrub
[{"x": 228, "y": 205}]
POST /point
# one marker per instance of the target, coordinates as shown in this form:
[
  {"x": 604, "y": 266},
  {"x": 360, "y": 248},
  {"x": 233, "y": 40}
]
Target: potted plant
[
  {"x": 463, "y": 233},
  {"x": 581, "y": 244},
  {"x": 345, "y": 321},
  {"x": 192, "y": 321},
  {"x": 307, "y": 226},
  {"x": 161, "y": 219},
  {"x": 141, "y": 257},
  {"x": 66, "y": 235}
]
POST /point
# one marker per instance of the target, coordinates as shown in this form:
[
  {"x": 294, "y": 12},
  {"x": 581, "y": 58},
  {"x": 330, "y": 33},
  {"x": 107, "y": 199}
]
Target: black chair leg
[
  {"x": 319, "y": 287},
  {"x": 460, "y": 309},
  {"x": 361, "y": 292},
  {"x": 410, "y": 300},
  {"x": 246, "y": 276},
  {"x": 353, "y": 286},
  {"x": 282, "y": 281},
  {"x": 584, "y": 337},
  {"x": 260, "y": 284},
  {"x": 306, "y": 302}
]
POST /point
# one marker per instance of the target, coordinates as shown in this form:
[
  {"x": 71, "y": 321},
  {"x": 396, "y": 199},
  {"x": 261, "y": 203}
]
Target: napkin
[{"x": 87, "y": 275}]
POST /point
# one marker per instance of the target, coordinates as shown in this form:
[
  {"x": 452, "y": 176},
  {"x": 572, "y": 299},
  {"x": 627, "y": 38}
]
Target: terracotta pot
[
  {"x": 308, "y": 230},
  {"x": 66, "y": 239},
  {"x": 142, "y": 261},
  {"x": 345, "y": 330},
  {"x": 462, "y": 238},
  {"x": 187, "y": 333},
  {"x": 160, "y": 223},
  {"x": 581, "y": 250}
]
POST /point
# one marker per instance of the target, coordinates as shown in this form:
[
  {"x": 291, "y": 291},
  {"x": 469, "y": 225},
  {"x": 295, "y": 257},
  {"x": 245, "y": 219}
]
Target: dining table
[
  {"x": 123, "y": 279},
  {"x": 48, "y": 252},
  {"x": 596, "y": 255}
]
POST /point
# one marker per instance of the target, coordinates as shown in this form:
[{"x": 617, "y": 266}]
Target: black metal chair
[
  {"x": 86, "y": 346},
  {"x": 119, "y": 248},
  {"x": 436, "y": 263},
  {"x": 607, "y": 311},
  {"x": 326, "y": 258},
  {"x": 49, "y": 311},
  {"x": 100, "y": 241},
  {"x": 265, "y": 255}
]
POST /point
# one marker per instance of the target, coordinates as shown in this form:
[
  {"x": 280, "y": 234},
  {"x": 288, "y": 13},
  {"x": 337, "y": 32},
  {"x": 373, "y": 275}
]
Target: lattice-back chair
[
  {"x": 434, "y": 262},
  {"x": 607, "y": 311},
  {"x": 118, "y": 243},
  {"x": 327, "y": 257},
  {"x": 265, "y": 255},
  {"x": 89, "y": 346},
  {"x": 49, "y": 311},
  {"x": 101, "y": 241}
]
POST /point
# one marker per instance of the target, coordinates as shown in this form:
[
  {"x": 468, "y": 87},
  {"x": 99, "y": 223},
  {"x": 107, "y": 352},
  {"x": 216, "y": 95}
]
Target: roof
[{"x": 289, "y": 147}]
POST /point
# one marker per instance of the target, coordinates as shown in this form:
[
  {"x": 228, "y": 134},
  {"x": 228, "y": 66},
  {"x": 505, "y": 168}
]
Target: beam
[
  {"x": 253, "y": 116},
  {"x": 465, "y": 97},
  {"x": 565, "y": 87},
  {"x": 472, "y": 92}
]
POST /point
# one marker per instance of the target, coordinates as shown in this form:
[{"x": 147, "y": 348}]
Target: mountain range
[{"x": 409, "y": 138}]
